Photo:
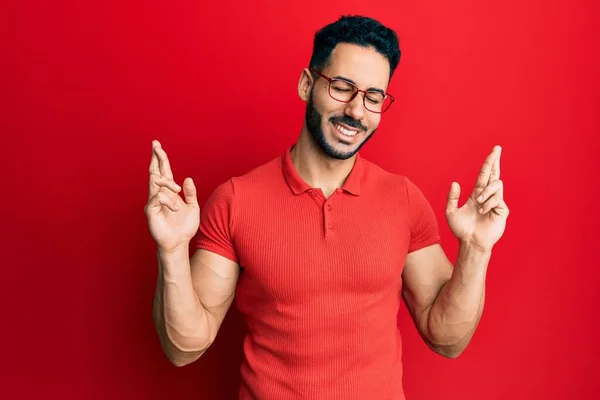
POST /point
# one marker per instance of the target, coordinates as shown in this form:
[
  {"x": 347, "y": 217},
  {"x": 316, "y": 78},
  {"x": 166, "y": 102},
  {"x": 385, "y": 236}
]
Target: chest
[{"x": 302, "y": 249}]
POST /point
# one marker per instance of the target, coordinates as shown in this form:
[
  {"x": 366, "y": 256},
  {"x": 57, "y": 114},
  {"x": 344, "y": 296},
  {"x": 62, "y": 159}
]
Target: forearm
[
  {"x": 180, "y": 319},
  {"x": 457, "y": 309}
]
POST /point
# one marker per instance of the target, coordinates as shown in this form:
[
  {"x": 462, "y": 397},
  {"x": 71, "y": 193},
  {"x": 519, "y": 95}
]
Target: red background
[{"x": 87, "y": 85}]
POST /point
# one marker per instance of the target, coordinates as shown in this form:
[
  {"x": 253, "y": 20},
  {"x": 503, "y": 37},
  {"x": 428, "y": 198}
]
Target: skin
[
  {"x": 366, "y": 68},
  {"x": 445, "y": 300}
]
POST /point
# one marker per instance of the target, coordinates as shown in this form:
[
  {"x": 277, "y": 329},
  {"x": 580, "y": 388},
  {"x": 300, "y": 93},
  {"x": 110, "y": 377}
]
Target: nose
[{"x": 355, "y": 108}]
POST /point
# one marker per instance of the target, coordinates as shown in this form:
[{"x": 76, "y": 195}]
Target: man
[{"x": 319, "y": 245}]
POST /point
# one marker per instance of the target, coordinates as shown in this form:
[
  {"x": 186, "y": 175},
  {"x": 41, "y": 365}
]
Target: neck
[{"x": 316, "y": 168}]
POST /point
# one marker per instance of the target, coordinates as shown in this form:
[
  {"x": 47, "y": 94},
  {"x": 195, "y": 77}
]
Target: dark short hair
[{"x": 356, "y": 29}]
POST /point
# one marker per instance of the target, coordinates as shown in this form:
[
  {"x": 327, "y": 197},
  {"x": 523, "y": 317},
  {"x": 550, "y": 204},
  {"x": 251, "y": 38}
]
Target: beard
[{"x": 314, "y": 123}]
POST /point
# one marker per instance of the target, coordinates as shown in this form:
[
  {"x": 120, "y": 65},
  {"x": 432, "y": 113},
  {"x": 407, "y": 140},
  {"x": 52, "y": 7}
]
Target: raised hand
[
  {"x": 482, "y": 219},
  {"x": 172, "y": 221}
]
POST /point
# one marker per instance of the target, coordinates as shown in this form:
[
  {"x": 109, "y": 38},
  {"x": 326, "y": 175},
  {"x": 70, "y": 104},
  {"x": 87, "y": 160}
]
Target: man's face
[{"x": 328, "y": 120}]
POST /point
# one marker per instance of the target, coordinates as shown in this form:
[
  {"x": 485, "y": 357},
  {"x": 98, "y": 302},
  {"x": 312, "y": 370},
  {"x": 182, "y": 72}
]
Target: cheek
[
  {"x": 329, "y": 111},
  {"x": 333, "y": 110},
  {"x": 373, "y": 121},
  {"x": 323, "y": 101}
]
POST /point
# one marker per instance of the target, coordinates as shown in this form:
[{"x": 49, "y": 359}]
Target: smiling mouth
[{"x": 345, "y": 131}]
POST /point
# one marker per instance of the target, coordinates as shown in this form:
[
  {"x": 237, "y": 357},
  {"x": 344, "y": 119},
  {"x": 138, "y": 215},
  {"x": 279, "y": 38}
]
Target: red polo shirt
[{"x": 320, "y": 281}]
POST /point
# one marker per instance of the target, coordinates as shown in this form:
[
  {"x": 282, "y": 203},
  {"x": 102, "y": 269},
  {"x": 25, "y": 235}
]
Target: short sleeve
[
  {"x": 216, "y": 217},
  {"x": 424, "y": 227}
]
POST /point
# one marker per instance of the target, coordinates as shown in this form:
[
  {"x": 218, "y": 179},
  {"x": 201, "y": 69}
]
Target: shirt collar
[{"x": 298, "y": 185}]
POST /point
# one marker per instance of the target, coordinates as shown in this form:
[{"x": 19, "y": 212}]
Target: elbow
[
  {"x": 180, "y": 350},
  {"x": 451, "y": 353},
  {"x": 179, "y": 355},
  {"x": 450, "y": 348},
  {"x": 447, "y": 351},
  {"x": 179, "y": 358},
  {"x": 449, "y": 343},
  {"x": 179, "y": 361}
]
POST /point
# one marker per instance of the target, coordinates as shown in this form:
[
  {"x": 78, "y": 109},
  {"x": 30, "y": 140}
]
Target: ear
[{"x": 305, "y": 84}]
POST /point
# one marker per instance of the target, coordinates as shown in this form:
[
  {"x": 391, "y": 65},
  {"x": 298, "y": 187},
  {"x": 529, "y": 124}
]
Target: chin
[
  {"x": 333, "y": 142},
  {"x": 338, "y": 150}
]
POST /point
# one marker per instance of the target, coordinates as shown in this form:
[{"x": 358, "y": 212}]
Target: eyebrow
[{"x": 371, "y": 89}]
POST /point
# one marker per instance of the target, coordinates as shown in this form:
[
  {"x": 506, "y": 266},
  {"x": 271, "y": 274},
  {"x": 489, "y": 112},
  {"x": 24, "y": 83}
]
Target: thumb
[
  {"x": 189, "y": 192},
  {"x": 453, "y": 198}
]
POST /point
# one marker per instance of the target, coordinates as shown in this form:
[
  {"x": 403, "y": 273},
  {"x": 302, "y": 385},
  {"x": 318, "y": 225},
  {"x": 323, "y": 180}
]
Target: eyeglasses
[{"x": 341, "y": 90}]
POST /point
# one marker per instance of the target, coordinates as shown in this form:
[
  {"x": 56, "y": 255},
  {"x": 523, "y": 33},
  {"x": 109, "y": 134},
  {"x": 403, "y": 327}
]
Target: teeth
[{"x": 345, "y": 131}]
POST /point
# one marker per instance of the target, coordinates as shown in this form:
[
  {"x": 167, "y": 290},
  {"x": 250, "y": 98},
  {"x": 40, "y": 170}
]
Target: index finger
[
  {"x": 495, "y": 175},
  {"x": 163, "y": 162},
  {"x": 154, "y": 169},
  {"x": 484, "y": 175}
]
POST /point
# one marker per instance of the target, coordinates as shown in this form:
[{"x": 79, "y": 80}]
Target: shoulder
[
  {"x": 400, "y": 186},
  {"x": 225, "y": 200},
  {"x": 258, "y": 180},
  {"x": 263, "y": 172},
  {"x": 376, "y": 176},
  {"x": 254, "y": 180}
]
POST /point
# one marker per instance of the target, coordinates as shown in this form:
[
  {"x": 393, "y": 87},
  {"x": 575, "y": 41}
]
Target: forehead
[{"x": 363, "y": 65}]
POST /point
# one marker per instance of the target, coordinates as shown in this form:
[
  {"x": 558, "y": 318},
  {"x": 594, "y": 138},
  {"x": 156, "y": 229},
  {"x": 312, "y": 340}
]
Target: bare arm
[
  {"x": 191, "y": 300},
  {"x": 446, "y": 303},
  {"x": 192, "y": 296}
]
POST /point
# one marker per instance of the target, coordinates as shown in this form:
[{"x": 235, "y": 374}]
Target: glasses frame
[{"x": 356, "y": 92}]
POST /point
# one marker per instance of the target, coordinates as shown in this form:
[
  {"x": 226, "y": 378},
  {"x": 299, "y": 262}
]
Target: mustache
[{"x": 348, "y": 121}]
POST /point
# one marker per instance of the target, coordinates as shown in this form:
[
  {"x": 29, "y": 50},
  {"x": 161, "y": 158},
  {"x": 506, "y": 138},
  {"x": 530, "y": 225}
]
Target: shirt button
[
  {"x": 328, "y": 207},
  {"x": 330, "y": 225}
]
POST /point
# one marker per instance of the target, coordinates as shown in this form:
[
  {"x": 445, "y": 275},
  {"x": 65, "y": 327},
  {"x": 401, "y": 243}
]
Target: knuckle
[
  {"x": 155, "y": 177},
  {"x": 166, "y": 191}
]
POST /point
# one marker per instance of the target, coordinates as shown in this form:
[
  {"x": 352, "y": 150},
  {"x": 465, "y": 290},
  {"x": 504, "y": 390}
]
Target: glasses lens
[
  {"x": 341, "y": 90},
  {"x": 377, "y": 102}
]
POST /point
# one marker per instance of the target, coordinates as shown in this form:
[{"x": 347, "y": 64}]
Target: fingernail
[
  {"x": 481, "y": 211},
  {"x": 480, "y": 198}
]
